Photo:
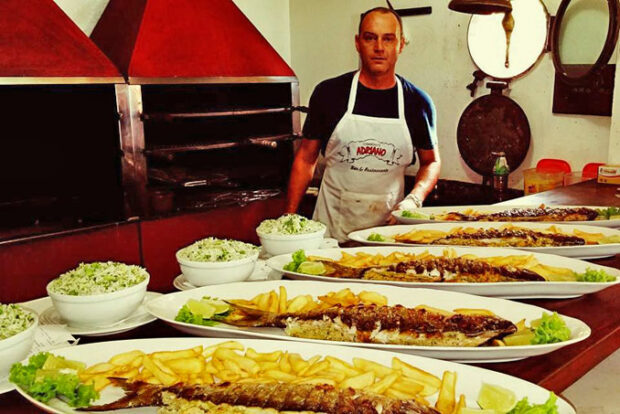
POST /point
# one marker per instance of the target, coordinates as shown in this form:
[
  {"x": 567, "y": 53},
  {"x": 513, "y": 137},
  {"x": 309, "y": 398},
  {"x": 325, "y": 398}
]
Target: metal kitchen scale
[{"x": 504, "y": 47}]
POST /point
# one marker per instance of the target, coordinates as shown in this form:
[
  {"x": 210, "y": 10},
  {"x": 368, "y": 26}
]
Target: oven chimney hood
[
  {"x": 39, "y": 44},
  {"x": 186, "y": 41}
]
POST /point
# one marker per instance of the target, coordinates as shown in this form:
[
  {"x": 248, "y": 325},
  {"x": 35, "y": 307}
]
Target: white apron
[{"x": 364, "y": 176}]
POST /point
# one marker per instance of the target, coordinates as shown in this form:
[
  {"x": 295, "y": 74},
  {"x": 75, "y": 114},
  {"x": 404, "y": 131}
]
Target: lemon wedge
[
  {"x": 466, "y": 410},
  {"x": 496, "y": 398},
  {"x": 198, "y": 307},
  {"x": 311, "y": 268}
]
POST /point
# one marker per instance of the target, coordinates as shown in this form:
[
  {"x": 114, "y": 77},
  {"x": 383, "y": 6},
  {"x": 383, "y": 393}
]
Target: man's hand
[{"x": 301, "y": 173}]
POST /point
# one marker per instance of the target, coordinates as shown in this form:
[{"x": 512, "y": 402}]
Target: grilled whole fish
[
  {"x": 282, "y": 397},
  {"x": 527, "y": 214},
  {"x": 436, "y": 269},
  {"x": 383, "y": 324},
  {"x": 504, "y": 237}
]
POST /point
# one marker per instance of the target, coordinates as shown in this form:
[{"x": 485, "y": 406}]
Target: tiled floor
[{"x": 598, "y": 392}]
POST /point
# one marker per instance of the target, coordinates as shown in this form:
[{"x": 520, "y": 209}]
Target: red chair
[
  {"x": 553, "y": 165},
  {"x": 590, "y": 170}
]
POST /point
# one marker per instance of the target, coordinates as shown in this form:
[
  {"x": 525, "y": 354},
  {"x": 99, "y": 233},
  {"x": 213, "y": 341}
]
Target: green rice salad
[
  {"x": 97, "y": 278},
  {"x": 290, "y": 224},
  {"x": 13, "y": 320},
  {"x": 212, "y": 249}
]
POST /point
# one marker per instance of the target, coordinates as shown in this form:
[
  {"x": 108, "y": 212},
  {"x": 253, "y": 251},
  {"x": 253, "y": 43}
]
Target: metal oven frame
[{"x": 132, "y": 137}]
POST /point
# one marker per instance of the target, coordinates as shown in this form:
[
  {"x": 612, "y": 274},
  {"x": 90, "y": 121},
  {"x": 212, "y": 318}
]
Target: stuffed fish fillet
[
  {"x": 278, "y": 396},
  {"x": 526, "y": 214},
  {"x": 513, "y": 237},
  {"x": 382, "y": 325},
  {"x": 435, "y": 269}
]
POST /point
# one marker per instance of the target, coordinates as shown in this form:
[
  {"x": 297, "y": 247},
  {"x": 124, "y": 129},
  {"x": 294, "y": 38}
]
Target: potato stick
[
  {"x": 280, "y": 376},
  {"x": 380, "y": 387},
  {"x": 285, "y": 364},
  {"x": 446, "y": 401},
  {"x": 166, "y": 355},
  {"x": 268, "y": 365},
  {"x": 256, "y": 356},
  {"x": 228, "y": 375},
  {"x": 409, "y": 386},
  {"x": 163, "y": 377},
  {"x": 460, "y": 405},
  {"x": 314, "y": 368},
  {"x": 360, "y": 381},
  {"x": 99, "y": 368},
  {"x": 126, "y": 358},
  {"x": 401, "y": 395},
  {"x": 208, "y": 351},
  {"x": 231, "y": 365},
  {"x": 366, "y": 365},
  {"x": 282, "y": 301}
]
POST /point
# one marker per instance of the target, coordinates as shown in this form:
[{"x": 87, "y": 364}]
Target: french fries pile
[
  {"x": 230, "y": 361},
  {"x": 550, "y": 273},
  {"x": 279, "y": 303}
]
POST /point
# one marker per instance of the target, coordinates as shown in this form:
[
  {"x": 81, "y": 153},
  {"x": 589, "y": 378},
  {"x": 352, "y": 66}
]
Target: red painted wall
[{"x": 26, "y": 268}]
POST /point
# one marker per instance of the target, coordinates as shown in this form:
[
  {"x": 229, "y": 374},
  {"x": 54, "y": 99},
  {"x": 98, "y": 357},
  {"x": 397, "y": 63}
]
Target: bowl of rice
[
  {"x": 98, "y": 293},
  {"x": 17, "y": 328},
  {"x": 213, "y": 261},
  {"x": 290, "y": 233}
]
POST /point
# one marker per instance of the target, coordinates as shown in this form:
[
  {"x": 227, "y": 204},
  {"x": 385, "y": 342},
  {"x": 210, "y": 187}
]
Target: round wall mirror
[
  {"x": 584, "y": 37},
  {"x": 503, "y": 53}
]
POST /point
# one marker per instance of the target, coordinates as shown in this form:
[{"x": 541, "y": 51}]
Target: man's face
[{"x": 379, "y": 42}]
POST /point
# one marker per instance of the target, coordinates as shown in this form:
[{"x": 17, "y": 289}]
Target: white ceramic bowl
[
  {"x": 215, "y": 273},
  {"x": 17, "y": 347},
  {"x": 276, "y": 244},
  {"x": 99, "y": 310}
]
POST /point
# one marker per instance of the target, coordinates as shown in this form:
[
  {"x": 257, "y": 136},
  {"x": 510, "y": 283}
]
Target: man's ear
[
  {"x": 402, "y": 45},
  {"x": 357, "y": 42}
]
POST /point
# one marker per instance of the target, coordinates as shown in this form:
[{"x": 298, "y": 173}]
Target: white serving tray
[
  {"x": 493, "y": 209},
  {"x": 581, "y": 252},
  {"x": 469, "y": 378},
  {"x": 166, "y": 308},
  {"x": 512, "y": 290}
]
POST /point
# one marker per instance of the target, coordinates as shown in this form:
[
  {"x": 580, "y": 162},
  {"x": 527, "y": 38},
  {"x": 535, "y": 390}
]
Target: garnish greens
[
  {"x": 13, "y": 320},
  {"x": 298, "y": 258},
  {"x": 592, "y": 275},
  {"x": 97, "y": 278},
  {"x": 301, "y": 264},
  {"x": 524, "y": 407},
  {"x": 206, "y": 312},
  {"x": 608, "y": 212},
  {"x": 47, "y": 376},
  {"x": 290, "y": 224},
  {"x": 376, "y": 237},
  {"x": 549, "y": 329},
  {"x": 415, "y": 215}
]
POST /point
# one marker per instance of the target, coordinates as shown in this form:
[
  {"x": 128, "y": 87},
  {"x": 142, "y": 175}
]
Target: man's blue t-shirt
[{"x": 330, "y": 99}]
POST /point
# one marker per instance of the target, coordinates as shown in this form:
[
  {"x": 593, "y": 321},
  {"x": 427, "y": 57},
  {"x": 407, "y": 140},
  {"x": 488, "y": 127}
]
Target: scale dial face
[{"x": 505, "y": 54}]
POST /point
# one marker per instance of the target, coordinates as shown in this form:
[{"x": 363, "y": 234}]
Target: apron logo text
[{"x": 357, "y": 150}]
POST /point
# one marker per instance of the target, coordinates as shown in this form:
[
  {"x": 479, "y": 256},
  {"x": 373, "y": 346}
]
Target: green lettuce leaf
[
  {"x": 298, "y": 258},
  {"x": 185, "y": 315},
  {"x": 591, "y": 275},
  {"x": 53, "y": 384},
  {"x": 524, "y": 407},
  {"x": 376, "y": 237},
  {"x": 549, "y": 329}
]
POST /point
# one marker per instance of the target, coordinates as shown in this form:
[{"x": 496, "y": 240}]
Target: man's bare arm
[
  {"x": 428, "y": 173},
  {"x": 301, "y": 173}
]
